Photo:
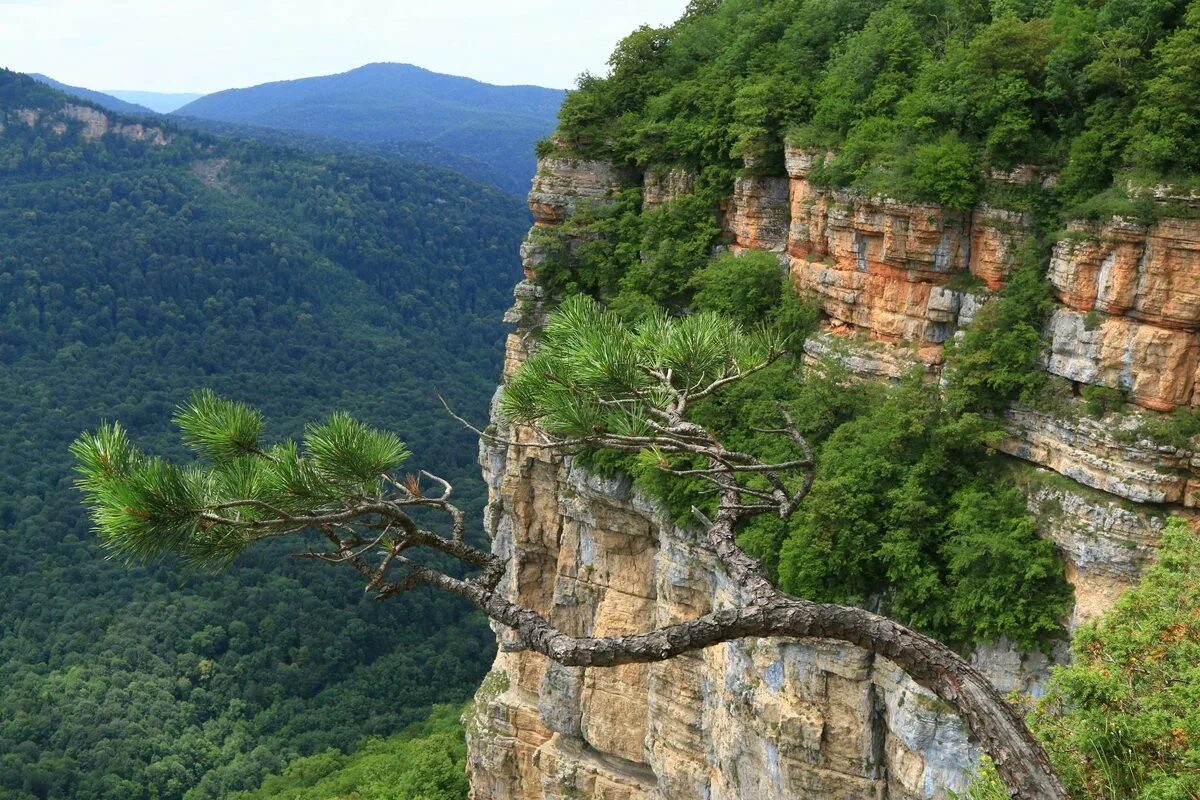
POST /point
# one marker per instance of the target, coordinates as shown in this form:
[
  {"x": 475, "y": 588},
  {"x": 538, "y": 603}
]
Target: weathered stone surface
[
  {"x": 770, "y": 719},
  {"x": 877, "y": 264},
  {"x": 561, "y": 184},
  {"x": 757, "y": 216},
  {"x": 871, "y": 359},
  {"x": 1138, "y": 289},
  {"x": 996, "y": 236},
  {"x": 1086, "y": 451},
  {"x": 96, "y": 123},
  {"x": 1156, "y": 365},
  {"x": 664, "y": 185},
  {"x": 1106, "y": 544},
  {"x": 800, "y": 161},
  {"x": 1120, "y": 268}
]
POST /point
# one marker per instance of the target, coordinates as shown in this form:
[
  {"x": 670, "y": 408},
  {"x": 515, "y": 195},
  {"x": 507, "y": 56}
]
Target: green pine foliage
[
  {"x": 917, "y": 98},
  {"x": 130, "y": 275},
  {"x": 909, "y": 511},
  {"x": 592, "y": 372},
  {"x": 145, "y": 508}
]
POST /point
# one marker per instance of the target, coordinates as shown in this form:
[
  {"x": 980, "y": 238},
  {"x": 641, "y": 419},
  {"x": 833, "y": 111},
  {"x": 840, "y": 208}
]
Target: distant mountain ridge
[
  {"x": 106, "y": 101},
  {"x": 384, "y": 102},
  {"x": 404, "y": 150},
  {"x": 158, "y": 102}
]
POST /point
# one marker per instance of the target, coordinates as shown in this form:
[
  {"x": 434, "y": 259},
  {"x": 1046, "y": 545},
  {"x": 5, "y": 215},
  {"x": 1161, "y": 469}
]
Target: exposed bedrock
[{"x": 813, "y": 719}]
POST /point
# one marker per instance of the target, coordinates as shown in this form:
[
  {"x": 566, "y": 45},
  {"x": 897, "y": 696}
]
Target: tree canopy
[
  {"x": 132, "y": 273},
  {"x": 918, "y": 99}
]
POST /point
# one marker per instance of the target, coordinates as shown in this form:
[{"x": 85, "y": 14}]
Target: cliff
[
  {"x": 778, "y": 719},
  {"x": 90, "y": 123}
]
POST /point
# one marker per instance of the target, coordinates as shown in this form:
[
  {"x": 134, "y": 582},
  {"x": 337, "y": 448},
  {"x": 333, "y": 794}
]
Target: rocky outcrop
[
  {"x": 769, "y": 719},
  {"x": 871, "y": 359},
  {"x": 757, "y": 214},
  {"x": 884, "y": 267},
  {"x": 664, "y": 185},
  {"x": 1131, "y": 316},
  {"x": 92, "y": 124},
  {"x": 96, "y": 124},
  {"x": 1094, "y": 453},
  {"x": 1106, "y": 543},
  {"x": 814, "y": 719},
  {"x": 562, "y": 184},
  {"x": 1156, "y": 366}
]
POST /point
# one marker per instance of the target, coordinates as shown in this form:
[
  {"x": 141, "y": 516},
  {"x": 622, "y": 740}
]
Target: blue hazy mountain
[
  {"x": 101, "y": 99},
  {"x": 401, "y": 150},
  {"x": 161, "y": 102},
  {"x": 381, "y": 103}
]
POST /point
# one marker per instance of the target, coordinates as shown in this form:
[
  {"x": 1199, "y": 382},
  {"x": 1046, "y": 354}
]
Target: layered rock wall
[
  {"x": 769, "y": 719},
  {"x": 797, "y": 720}
]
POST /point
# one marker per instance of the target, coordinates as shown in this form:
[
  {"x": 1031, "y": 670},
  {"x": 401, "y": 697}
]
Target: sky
[{"x": 207, "y": 45}]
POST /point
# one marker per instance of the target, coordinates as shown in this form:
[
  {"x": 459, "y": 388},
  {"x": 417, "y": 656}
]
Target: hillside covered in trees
[
  {"x": 916, "y": 99},
  {"x": 403, "y": 110},
  {"x": 138, "y": 263}
]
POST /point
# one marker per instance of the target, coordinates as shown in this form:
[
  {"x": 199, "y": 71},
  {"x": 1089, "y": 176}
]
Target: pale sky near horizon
[{"x": 207, "y": 45}]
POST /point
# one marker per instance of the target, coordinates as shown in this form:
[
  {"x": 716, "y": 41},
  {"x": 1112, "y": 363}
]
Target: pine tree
[{"x": 595, "y": 383}]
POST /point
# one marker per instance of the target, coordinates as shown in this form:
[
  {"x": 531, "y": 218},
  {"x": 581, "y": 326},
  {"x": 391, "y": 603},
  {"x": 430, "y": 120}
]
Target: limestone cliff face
[
  {"x": 92, "y": 124},
  {"x": 798, "y": 720},
  {"x": 1141, "y": 287},
  {"x": 767, "y": 719},
  {"x": 888, "y": 276}
]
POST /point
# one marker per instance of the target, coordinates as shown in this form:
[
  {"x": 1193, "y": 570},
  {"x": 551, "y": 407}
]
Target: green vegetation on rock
[
  {"x": 1123, "y": 720},
  {"x": 918, "y": 99}
]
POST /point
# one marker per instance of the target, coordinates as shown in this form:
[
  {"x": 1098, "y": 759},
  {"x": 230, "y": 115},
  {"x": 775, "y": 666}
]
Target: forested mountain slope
[
  {"x": 410, "y": 150},
  {"x": 378, "y": 103},
  {"x": 140, "y": 261}
]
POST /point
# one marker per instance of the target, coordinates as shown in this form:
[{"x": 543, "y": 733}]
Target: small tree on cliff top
[{"x": 594, "y": 383}]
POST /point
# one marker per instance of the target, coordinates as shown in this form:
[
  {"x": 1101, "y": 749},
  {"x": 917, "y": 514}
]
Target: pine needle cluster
[{"x": 237, "y": 491}]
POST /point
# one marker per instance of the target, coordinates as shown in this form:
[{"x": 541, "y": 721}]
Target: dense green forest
[
  {"x": 132, "y": 273},
  {"x": 411, "y": 150},
  {"x": 394, "y": 106},
  {"x": 916, "y": 98},
  {"x": 424, "y": 762}
]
